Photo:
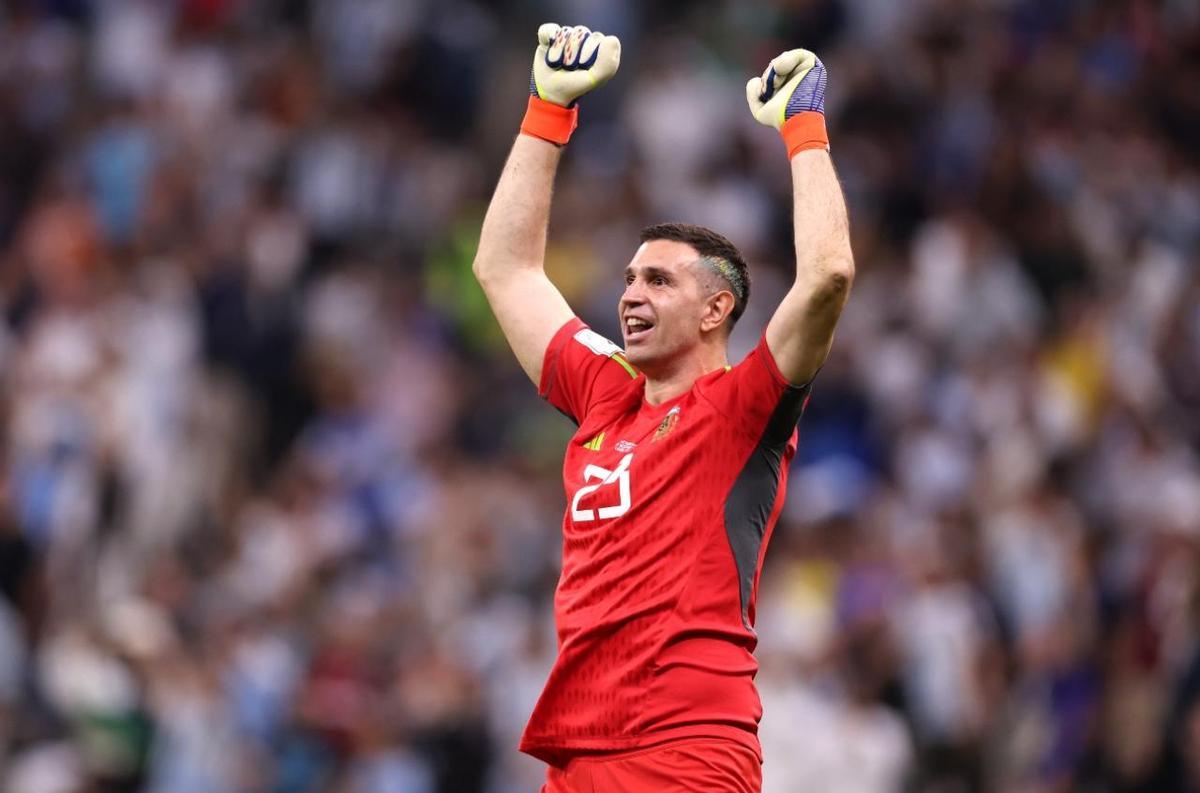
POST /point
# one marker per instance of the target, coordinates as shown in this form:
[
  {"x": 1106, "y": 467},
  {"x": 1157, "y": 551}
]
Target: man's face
[{"x": 664, "y": 303}]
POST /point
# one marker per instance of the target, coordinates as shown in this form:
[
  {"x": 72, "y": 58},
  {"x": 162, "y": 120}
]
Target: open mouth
[{"x": 637, "y": 328}]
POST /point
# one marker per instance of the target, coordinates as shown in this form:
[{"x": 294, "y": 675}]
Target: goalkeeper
[{"x": 678, "y": 470}]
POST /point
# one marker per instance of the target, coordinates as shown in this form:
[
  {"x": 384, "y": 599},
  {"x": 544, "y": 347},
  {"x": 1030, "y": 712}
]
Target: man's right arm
[
  {"x": 512, "y": 250},
  {"x": 568, "y": 63}
]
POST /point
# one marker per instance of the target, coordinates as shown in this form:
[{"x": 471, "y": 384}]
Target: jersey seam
[
  {"x": 743, "y": 607},
  {"x": 761, "y": 444}
]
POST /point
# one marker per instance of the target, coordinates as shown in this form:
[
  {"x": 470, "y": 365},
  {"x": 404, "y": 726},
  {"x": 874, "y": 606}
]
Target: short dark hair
[{"x": 711, "y": 244}]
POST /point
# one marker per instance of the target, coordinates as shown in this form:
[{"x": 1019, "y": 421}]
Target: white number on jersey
[{"x": 618, "y": 476}]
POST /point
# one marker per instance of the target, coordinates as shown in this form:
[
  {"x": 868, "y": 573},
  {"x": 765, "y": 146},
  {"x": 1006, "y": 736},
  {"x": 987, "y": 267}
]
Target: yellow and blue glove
[
  {"x": 790, "y": 96},
  {"x": 569, "y": 62}
]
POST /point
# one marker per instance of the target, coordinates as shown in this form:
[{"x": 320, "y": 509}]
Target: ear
[{"x": 717, "y": 308}]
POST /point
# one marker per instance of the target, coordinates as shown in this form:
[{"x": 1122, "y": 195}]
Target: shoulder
[
  {"x": 576, "y": 340},
  {"x": 583, "y": 370},
  {"x": 757, "y": 372},
  {"x": 755, "y": 396}
]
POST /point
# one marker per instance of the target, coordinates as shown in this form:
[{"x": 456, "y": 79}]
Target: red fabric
[
  {"x": 692, "y": 766},
  {"x": 652, "y": 645},
  {"x": 805, "y": 131},
  {"x": 549, "y": 121}
]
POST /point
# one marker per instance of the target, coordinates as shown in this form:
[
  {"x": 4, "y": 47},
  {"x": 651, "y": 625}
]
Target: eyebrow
[{"x": 650, "y": 271}]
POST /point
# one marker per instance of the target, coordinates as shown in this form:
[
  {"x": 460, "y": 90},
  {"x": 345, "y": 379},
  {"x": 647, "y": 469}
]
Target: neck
[{"x": 676, "y": 376}]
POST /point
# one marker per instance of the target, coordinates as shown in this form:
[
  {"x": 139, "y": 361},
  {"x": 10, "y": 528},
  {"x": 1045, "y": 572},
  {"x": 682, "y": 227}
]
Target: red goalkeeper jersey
[{"x": 669, "y": 511}]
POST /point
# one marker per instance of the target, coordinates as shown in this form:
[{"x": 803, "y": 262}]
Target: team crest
[
  {"x": 625, "y": 446},
  {"x": 668, "y": 423}
]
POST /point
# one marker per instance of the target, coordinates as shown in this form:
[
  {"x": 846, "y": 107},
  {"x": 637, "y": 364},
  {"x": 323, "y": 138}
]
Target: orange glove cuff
[
  {"x": 805, "y": 131},
  {"x": 549, "y": 121}
]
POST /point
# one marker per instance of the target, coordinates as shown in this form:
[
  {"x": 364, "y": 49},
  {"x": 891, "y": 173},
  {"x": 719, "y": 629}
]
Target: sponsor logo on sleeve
[{"x": 596, "y": 343}]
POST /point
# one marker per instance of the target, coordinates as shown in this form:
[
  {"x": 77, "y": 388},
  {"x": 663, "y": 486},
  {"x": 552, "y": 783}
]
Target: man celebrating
[{"x": 677, "y": 474}]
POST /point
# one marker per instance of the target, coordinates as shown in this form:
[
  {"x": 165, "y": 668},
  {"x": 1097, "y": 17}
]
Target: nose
[{"x": 632, "y": 296}]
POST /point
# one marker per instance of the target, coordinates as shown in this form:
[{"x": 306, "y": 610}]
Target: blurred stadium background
[{"x": 280, "y": 512}]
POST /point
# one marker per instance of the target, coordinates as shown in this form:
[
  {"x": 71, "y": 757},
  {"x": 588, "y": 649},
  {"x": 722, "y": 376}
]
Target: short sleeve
[
  {"x": 757, "y": 397},
  {"x": 581, "y": 369}
]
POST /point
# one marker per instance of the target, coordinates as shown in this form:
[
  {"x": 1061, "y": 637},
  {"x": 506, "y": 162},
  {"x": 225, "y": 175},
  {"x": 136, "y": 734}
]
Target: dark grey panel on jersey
[{"x": 748, "y": 507}]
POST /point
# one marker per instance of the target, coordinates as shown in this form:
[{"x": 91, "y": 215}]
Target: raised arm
[
  {"x": 790, "y": 96},
  {"x": 568, "y": 63},
  {"x": 512, "y": 248}
]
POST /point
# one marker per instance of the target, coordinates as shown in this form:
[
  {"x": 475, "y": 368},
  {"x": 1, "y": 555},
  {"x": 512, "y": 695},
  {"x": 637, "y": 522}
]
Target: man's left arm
[{"x": 790, "y": 96}]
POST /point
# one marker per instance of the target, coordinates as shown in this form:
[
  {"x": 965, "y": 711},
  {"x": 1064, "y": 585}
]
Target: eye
[
  {"x": 659, "y": 281},
  {"x": 628, "y": 278}
]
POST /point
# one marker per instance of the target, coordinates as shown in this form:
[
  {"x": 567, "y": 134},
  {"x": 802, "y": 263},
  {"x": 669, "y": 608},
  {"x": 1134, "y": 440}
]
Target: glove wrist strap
[
  {"x": 805, "y": 131},
  {"x": 549, "y": 121}
]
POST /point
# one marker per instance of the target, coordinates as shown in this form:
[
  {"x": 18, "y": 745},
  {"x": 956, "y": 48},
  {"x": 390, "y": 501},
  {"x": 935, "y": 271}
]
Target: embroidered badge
[{"x": 668, "y": 423}]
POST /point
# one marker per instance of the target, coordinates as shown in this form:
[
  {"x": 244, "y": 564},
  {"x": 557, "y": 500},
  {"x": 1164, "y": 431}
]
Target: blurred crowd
[{"x": 279, "y": 512}]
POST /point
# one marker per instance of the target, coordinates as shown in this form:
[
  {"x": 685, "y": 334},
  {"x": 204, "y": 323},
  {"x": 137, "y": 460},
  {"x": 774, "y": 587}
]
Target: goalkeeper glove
[
  {"x": 790, "y": 96},
  {"x": 569, "y": 62}
]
